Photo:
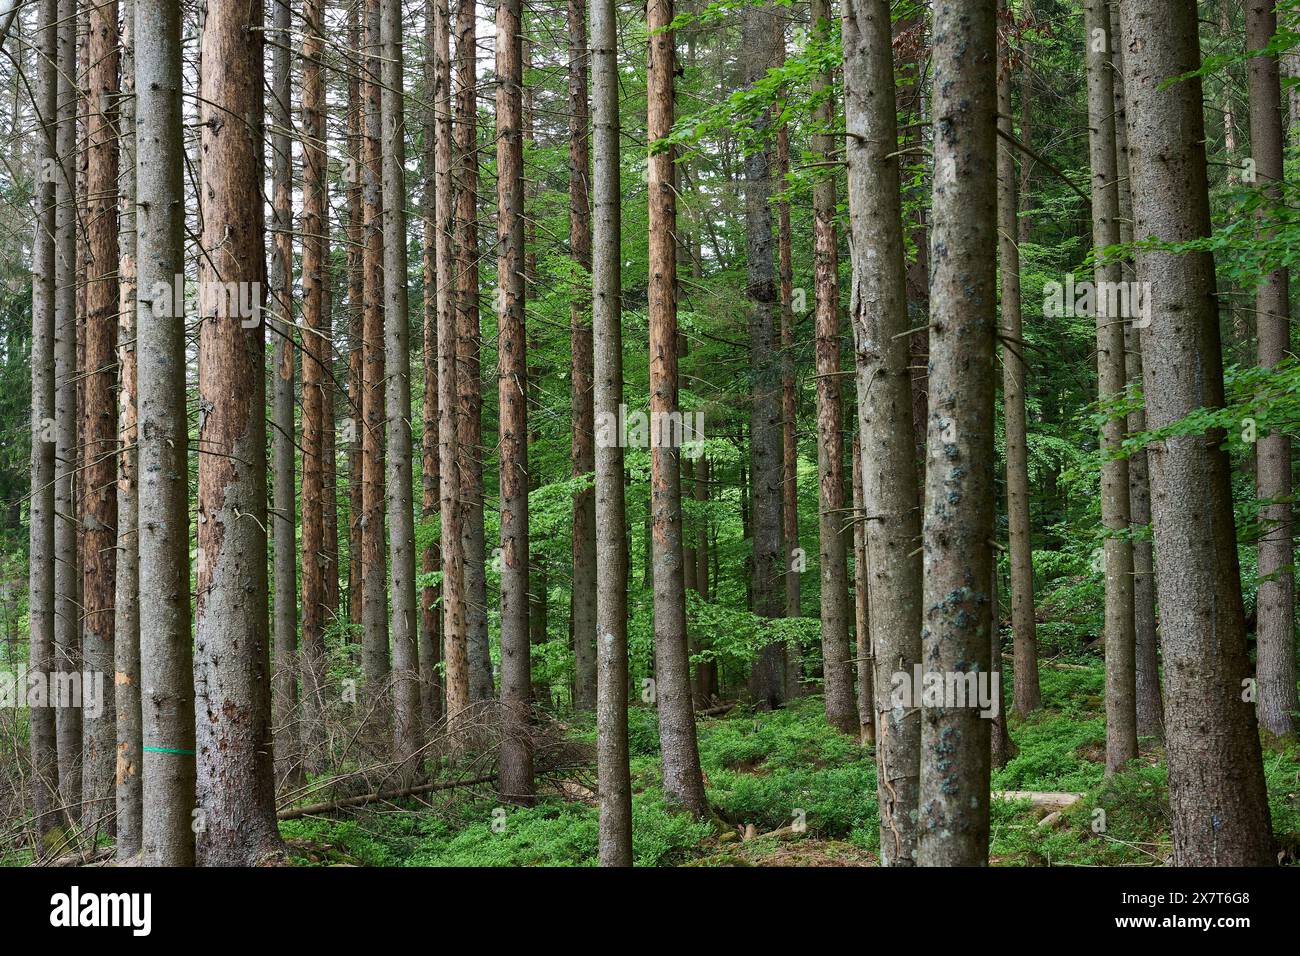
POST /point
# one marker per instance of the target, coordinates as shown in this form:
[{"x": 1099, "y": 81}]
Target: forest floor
[{"x": 768, "y": 772}]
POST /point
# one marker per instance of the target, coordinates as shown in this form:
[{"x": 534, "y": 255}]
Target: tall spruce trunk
[
  {"x": 166, "y": 646},
  {"x": 46, "y": 812},
  {"x": 1275, "y": 666},
  {"x": 404, "y": 623},
  {"x": 315, "y": 384},
  {"x": 469, "y": 340},
  {"x": 67, "y": 560},
  {"x": 430, "y": 644},
  {"x": 878, "y": 310},
  {"x": 615, "y": 785},
  {"x": 99, "y": 450},
  {"x": 516, "y": 765},
  {"x": 1150, "y": 706},
  {"x": 374, "y": 606},
  {"x": 1216, "y": 782},
  {"x": 1015, "y": 368},
  {"x": 284, "y": 436},
  {"x": 683, "y": 783},
  {"x": 236, "y": 783},
  {"x": 837, "y": 668},
  {"x": 768, "y": 677},
  {"x": 583, "y": 450},
  {"x": 1121, "y": 675},
  {"x": 356, "y": 322},
  {"x": 126, "y": 604},
  {"x": 956, "y": 540},
  {"x": 453, "y": 560}
]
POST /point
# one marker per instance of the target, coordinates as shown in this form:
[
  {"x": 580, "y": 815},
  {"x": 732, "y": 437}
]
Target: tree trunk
[
  {"x": 399, "y": 502},
  {"x": 682, "y": 782},
  {"x": 954, "y": 824},
  {"x": 878, "y": 309},
  {"x": 67, "y": 559},
  {"x": 1015, "y": 366},
  {"x": 166, "y": 645},
  {"x": 236, "y": 783},
  {"x": 126, "y": 604},
  {"x": 1275, "y": 667},
  {"x": 469, "y": 342},
  {"x": 374, "y": 605},
  {"x": 430, "y": 647},
  {"x": 583, "y": 454},
  {"x": 861, "y": 606},
  {"x": 1121, "y": 675},
  {"x": 453, "y": 560},
  {"x": 99, "y": 533},
  {"x": 356, "y": 322},
  {"x": 837, "y": 670},
  {"x": 516, "y": 764},
  {"x": 40, "y": 601},
  {"x": 284, "y": 509},
  {"x": 768, "y": 678},
  {"x": 615, "y": 840},
  {"x": 1150, "y": 707},
  {"x": 315, "y": 383},
  {"x": 1216, "y": 782}
]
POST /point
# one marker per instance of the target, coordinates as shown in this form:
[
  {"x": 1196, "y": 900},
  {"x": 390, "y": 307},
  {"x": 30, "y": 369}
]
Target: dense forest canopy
[{"x": 743, "y": 432}]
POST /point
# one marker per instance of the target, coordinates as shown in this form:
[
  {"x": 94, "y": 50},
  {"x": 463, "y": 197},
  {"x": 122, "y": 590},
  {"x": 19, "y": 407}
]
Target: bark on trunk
[
  {"x": 126, "y": 625},
  {"x": 399, "y": 491},
  {"x": 236, "y": 784},
  {"x": 615, "y": 834},
  {"x": 683, "y": 784},
  {"x": 166, "y": 646},
  {"x": 878, "y": 310},
  {"x": 1216, "y": 782},
  {"x": 516, "y": 780},
  {"x": 837, "y": 668},
  {"x": 1015, "y": 367},
  {"x": 954, "y": 822},
  {"x": 583, "y": 452},
  {"x": 99, "y": 530},
  {"x": 768, "y": 677},
  {"x": 1275, "y": 646}
]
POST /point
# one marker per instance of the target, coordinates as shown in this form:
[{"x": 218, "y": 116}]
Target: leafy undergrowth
[{"x": 805, "y": 795}]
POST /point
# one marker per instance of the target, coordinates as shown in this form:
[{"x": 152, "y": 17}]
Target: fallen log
[
  {"x": 345, "y": 803},
  {"x": 1040, "y": 799}
]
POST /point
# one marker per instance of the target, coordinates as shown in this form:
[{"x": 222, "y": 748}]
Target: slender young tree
[
  {"x": 516, "y": 782},
  {"x": 615, "y": 784},
  {"x": 99, "y": 495},
  {"x": 40, "y": 599},
  {"x": 315, "y": 383},
  {"x": 126, "y": 604},
  {"x": 374, "y": 610},
  {"x": 1216, "y": 782},
  {"x": 67, "y": 614},
  {"x": 767, "y": 572},
  {"x": 683, "y": 784},
  {"x": 430, "y": 646},
  {"x": 1121, "y": 678},
  {"x": 284, "y": 437},
  {"x": 878, "y": 310},
  {"x": 1015, "y": 368},
  {"x": 403, "y": 624},
  {"x": 956, "y": 540},
  {"x": 837, "y": 668},
  {"x": 861, "y": 608},
  {"x": 166, "y": 645},
  {"x": 236, "y": 784},
  {"x": 1275, "y": 641},
  {"x": 469, "y": 341},
  {"x": 453, "y": 555},
  {"x": 582, "y": 449}
]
